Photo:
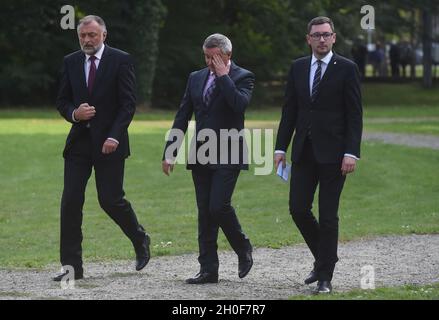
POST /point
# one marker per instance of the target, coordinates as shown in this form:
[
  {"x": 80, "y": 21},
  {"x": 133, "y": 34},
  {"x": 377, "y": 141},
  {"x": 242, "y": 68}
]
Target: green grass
[
  {"x": 379, "y": 100},
  {"x": 419, "y": 70},
  {"x": 267, "y": 114},
  {"x": 394, "y": 191},
  {"x": 419, "y": 127},
  {"x": 397, "y": 94},
  {"x": 409, "y": 292}
]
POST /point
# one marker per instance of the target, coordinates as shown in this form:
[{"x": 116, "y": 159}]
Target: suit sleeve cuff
[
  {"x": 114, "y": 140},
  {"x": 73, "y": 116},
  {"x": 351, "y": 156}
]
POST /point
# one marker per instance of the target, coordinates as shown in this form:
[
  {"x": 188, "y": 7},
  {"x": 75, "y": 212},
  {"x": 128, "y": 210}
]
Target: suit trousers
[
  {"x": 214, "y": 190},
  {"x": 109, "y": 183},
  {"x": 322, "y": 236}
]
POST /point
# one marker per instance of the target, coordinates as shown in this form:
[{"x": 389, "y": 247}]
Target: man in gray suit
[{"x": 218, "y": 95}]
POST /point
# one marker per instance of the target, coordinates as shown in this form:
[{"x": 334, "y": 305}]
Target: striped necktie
[
  {"x": 208, "y": 95},
  {"x": 316, "y": 81}
]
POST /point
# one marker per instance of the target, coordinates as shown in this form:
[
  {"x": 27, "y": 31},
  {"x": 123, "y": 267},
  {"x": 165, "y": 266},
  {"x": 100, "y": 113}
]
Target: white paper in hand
[{"x": 283, "y": 173}]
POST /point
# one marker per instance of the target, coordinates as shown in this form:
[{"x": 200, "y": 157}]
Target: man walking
[
  {"x": 218, "y": 96},
  {"x": 97, "y": 95},
  {"x": 323, "y": 108}
]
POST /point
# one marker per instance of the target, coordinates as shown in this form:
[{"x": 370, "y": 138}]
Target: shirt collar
[
  {"x": 98, "y": 54},
  {"x": 325, "y": 60}
]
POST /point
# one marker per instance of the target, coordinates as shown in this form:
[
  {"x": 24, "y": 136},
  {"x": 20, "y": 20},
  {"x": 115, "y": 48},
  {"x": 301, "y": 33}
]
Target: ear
[
  {"x": 104, "y": 35},
  {"x": 308, "y": 39},
  {"x": 335, "y": 37}
]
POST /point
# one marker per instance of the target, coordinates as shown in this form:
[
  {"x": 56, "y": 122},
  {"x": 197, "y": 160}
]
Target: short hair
[
  {"x": 90, "y": 18},
  {"x": 218, "y": 40},
  {"x": 320, "y": 20}
]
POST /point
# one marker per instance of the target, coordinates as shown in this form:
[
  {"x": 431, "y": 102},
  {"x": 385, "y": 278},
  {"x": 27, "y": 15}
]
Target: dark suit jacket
[
  {"x": 113, "y": 96},
  {"x": 225, "y": 110},
  {"x": 334, "y": 118}
]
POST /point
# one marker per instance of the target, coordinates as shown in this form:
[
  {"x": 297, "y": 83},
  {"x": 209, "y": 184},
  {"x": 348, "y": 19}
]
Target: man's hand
[
  {"x": 84, "y": 112},
  {"x": 167, "y": 167},
  {"x": 109, "y": 146},
  {"x": 220, "y": 68},
  {"x": 348, "y": 165},
  {"x": 279, "y": 158}
]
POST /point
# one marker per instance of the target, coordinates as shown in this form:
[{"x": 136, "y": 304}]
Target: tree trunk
[
  {"x": 148, "y": 17},
  {"x": 427, "y": 31},
  {"x": 413, "y": 42}
]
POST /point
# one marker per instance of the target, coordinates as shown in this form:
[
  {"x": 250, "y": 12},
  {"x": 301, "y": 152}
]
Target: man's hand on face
[{"x": 221, "y": 68}]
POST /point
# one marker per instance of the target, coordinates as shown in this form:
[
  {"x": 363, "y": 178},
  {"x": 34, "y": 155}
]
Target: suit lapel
[
  {"x": 201, "y": 82},
  {"x": 307, "y": 76},
  {"x": 233, "y": 71},
  {"x": 81, "y": 72},
  {"x": 329, "y": 70}
]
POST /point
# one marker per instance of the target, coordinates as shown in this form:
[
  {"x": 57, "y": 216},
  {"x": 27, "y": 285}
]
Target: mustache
[{"x": 89, "y": 49}]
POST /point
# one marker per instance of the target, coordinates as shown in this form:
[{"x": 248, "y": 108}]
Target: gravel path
[
  {"x": 276, "y": 274},
  {"x": 411, "y": 140}
]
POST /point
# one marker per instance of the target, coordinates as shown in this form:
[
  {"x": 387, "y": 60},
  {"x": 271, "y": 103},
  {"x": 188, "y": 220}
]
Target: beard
[{"x": 90, "y": 49}]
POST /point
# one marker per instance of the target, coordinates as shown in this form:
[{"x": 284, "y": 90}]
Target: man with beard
[{"x": 97, "y": 95}]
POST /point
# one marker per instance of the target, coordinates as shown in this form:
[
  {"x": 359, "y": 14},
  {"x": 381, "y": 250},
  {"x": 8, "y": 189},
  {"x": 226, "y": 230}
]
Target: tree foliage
[{"x": 165, "y": 38}]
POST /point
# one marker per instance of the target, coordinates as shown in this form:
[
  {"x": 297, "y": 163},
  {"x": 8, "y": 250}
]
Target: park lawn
[
  {"x": 380, "y": 100},
  {"x": 418, "y": 127},
  {"x": 419, "y": 70},
  {"x": 272, "y": 115},
  {"x": 408, "y": 292},
  {"x": 394, "y": 191}
]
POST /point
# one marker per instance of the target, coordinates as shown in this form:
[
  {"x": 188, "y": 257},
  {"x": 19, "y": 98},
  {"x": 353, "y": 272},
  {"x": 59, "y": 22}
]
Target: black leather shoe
[
  {"x": 60, "y": 277},
  {"x": 312, "y": 277},
  {"x": 323, "y": 287},
  {"x": 142, "y": 253},
  {"x": 245, "y": 263},
  {"x": 203, "y": 277}
]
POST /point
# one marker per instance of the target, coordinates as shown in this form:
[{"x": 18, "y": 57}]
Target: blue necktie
[{"x": 316, "y": 81}]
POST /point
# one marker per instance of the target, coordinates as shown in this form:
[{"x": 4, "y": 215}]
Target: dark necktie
[
  {"x": 208, "y": 95},
  {"x": 316, "y": 81},
  {"x": 91, "y": 74}
]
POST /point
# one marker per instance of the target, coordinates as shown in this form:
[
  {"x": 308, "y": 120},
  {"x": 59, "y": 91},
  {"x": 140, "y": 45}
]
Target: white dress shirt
[
  {"x": 87, "y": 62},
  {"x": 314, "y": 65}
]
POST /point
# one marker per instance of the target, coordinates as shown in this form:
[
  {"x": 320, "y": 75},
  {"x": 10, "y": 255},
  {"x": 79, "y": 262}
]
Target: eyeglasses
[{"x": 317, "y": 36}]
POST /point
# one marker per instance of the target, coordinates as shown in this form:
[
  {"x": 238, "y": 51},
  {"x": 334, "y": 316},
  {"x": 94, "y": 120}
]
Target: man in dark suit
[
  {"x": 97, "y": 95},
  {"x": 218, "y": 95},
  {"x": 323, "y": 108}
]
